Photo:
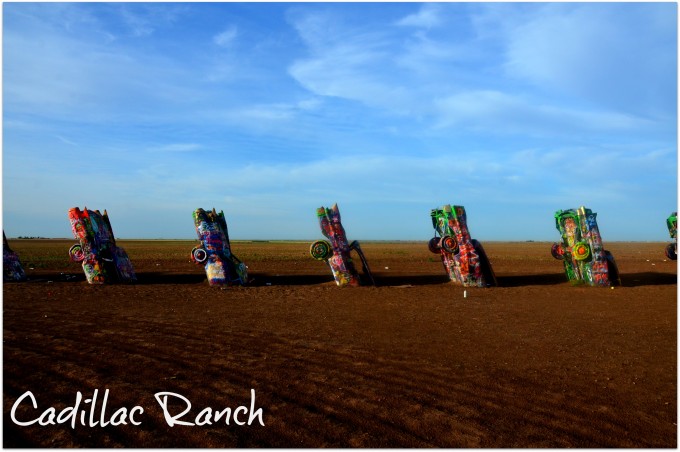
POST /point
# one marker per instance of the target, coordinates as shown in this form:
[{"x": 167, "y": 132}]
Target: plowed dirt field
[{"x": 535, "y": 362}]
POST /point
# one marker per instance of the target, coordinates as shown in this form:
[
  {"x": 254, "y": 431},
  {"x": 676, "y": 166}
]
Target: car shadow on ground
[
  {"x": 50, "y": 277},
  {"x": 648, "y": 279},
  {"x": 264, "y": 279},
  {"x": 409, "y": 280},
  {"x": 549, "y": 279},
  {"x": 144, "y": 278}
]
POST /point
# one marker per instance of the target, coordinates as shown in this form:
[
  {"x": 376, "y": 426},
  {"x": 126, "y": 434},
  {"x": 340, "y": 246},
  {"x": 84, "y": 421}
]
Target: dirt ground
[{"x": 535, "y": 362}]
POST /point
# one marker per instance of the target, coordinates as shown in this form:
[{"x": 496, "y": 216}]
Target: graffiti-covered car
[
  {"x": 581, "y": 249},
  {"x": 102, "y": 260},
  {"x": 672, "y": 248},
  {"x": 11, "y": 265},
  {"x": 464, "y": 258},
  {"x": 222, "y": 267},
  {"x": 336, "y": 251}
]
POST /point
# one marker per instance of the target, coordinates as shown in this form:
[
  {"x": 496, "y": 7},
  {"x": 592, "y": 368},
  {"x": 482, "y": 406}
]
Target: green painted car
[
  {"x": 672, "y": 223},
  {"x": 581, "y": 249}
]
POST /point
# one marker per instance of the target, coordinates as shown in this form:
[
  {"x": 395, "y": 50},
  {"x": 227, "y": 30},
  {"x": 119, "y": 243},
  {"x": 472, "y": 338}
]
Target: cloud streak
[
  {"x": 226, "y": 37},
  {"x": 427, "y": 17}
]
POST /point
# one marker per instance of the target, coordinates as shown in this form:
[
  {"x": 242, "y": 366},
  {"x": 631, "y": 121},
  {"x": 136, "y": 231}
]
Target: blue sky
[{"x": 270, "y": 110}]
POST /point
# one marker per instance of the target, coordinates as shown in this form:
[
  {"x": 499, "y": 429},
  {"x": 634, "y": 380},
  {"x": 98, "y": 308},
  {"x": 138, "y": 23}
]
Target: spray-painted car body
[
  {"x": 103, "y": 262},
  {"x": 336, "y": 251},
  {"x": 214, "y": 252},
  {"x": 672, "y": 248},
  {"x": 581, "y": 249},
  {"x": 464, "y": 258},
  {"x": 11, "y": 265}
]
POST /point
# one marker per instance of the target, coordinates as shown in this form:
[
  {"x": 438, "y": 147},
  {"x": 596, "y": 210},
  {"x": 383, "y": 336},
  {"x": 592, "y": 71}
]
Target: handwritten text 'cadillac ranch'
[{"x": 92, "y": 412}]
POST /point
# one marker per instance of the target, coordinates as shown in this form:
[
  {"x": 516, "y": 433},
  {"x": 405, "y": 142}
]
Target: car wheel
[
  {"x": 199, "y": 255},
  {"x": 557, "y": 251},
  {"x": 76, "y": 253},
  {"x": 581, "y": 251},
  {"x": 321, "y": 250},
  {"x": 449, "y": 244},
  {"x": 433, "y": 245},
  {"x": 671, "y": 252}
]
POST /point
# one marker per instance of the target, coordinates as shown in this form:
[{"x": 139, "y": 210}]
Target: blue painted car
[
  {"x": 11, "y": 265},
  {"x": 214, "y": 252},
  {"x": 102, "y": 260}
]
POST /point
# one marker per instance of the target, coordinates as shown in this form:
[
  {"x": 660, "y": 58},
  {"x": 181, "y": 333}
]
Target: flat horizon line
[{"x": 315, "y": 239}]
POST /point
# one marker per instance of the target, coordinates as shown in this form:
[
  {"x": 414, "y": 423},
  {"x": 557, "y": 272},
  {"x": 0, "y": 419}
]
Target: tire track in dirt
[
  {"x": 402, "y": 378},
  {"x": 62, "y": 354},
  {"x": 310, "y": 395},
  {"x": 373, "y": 367}
]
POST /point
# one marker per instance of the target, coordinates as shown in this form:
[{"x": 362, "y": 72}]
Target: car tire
[
  {"x": 199, "y": 255},
  {"x": 449, "y": 244},
  {"x": 321, "y": 250},
  {"x": 557, "y": 251},
  {"x": 580, "y": 251},
  {"x": 671, "y": 252},
  {"x": 433, "y": 245},
  {"x": 76, "y": 253}
]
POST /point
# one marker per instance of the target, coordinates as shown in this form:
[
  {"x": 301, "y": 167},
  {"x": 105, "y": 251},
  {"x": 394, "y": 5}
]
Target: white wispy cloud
[
  {"x": 423, "y": 54},
  {"x": 553, "y": 50},
  {"x": 348, "y": 64},
  {"x": 177, "y": 147},
  {"x": 501, "y": 112},
  {"x": 138, "y": 24},
  {"x": 428, "y": 16},
  {"x": 589, "y": 50},
  {"x": 66, "y": 141},
  {"x": 142, "y": 19},
  {"x": 226, "y": 37},
  {"x": 309, "y": 104}
]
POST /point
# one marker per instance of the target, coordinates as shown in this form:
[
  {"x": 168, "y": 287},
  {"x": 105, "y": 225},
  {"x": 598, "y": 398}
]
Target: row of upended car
[{"x": 580, "y": 249}]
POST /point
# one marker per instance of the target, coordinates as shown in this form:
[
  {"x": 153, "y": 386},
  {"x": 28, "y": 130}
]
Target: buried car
[
  {"x": 214, "y": 252},
  {"x": 336, "y": 251},
  {"x": 102, "y": 261},
  {"x": 463, "y": 258},
  {"x": 11, "y": 265},
  {"x": 581, "y": 249},
  {"x": 672, "y": 248}
]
